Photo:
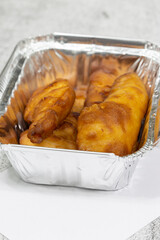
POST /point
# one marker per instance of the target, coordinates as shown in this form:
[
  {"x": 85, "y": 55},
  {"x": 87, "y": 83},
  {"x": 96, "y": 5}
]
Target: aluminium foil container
[
  {"x": 149, "y": 232},
  {"x": 36, "y": 62}
]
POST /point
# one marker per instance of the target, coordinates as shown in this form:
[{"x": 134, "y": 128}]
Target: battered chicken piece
[
  {"x": 80, "y": 98},
  {"x": 68, "y": 129},
  {"x": 62, "y": 137},
  {"x": 102, "y": 79},
  {"x": 113, "y": 125},
  {"x": 50, "y": 142},
  {"x": 47, "y": 108},
  {"x": 99, "y": 87},
  {"x": 65, "y": 135}
]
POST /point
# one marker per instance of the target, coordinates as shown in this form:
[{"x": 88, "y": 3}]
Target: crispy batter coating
[
  {"x": 47, "y": 108},
  {"x": 113, "y": 125},
  {"x": 99, "y": 87},
  {"x": 65, "y": 135},
  {"x": 51, "y": 142},
  {"x": 102, "y": 79},
  {"x": 62, "y": 137},
  {"x": 79, "y": 102},
  {"x": 68, "y": 129}
]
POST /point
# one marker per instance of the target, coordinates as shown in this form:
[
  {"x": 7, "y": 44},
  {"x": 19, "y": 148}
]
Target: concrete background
[{"x": 135, "y": 19}]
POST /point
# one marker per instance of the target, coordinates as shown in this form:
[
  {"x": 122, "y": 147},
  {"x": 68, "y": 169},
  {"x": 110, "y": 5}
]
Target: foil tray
[
  {"x": 36, "y": 62},
  {"x": 2, "y": 237},
  {"x": 149, "y": 232}
]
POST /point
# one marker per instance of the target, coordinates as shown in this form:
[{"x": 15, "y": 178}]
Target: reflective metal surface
[
  {"x": 36, "y": 62},
  {"x": 149, "y": 232},
  {"x": 2, "y": 237}
]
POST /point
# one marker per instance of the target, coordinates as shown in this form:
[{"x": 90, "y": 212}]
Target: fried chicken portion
[
  {"x": 68, "y": 129},
  {"x": 81, "y": 93},
  {"x": 47, "y": 108},
  {"x": 65, "y": 135},
  {"x": 50, "y": 142},
  {"x": 99, "y": 87},
  {"x": 102, "y": 79},
  {"x": 113, "y": 125}
]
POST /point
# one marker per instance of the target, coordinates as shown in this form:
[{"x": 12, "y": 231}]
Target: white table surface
[{"x": 32, "y": 212}]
